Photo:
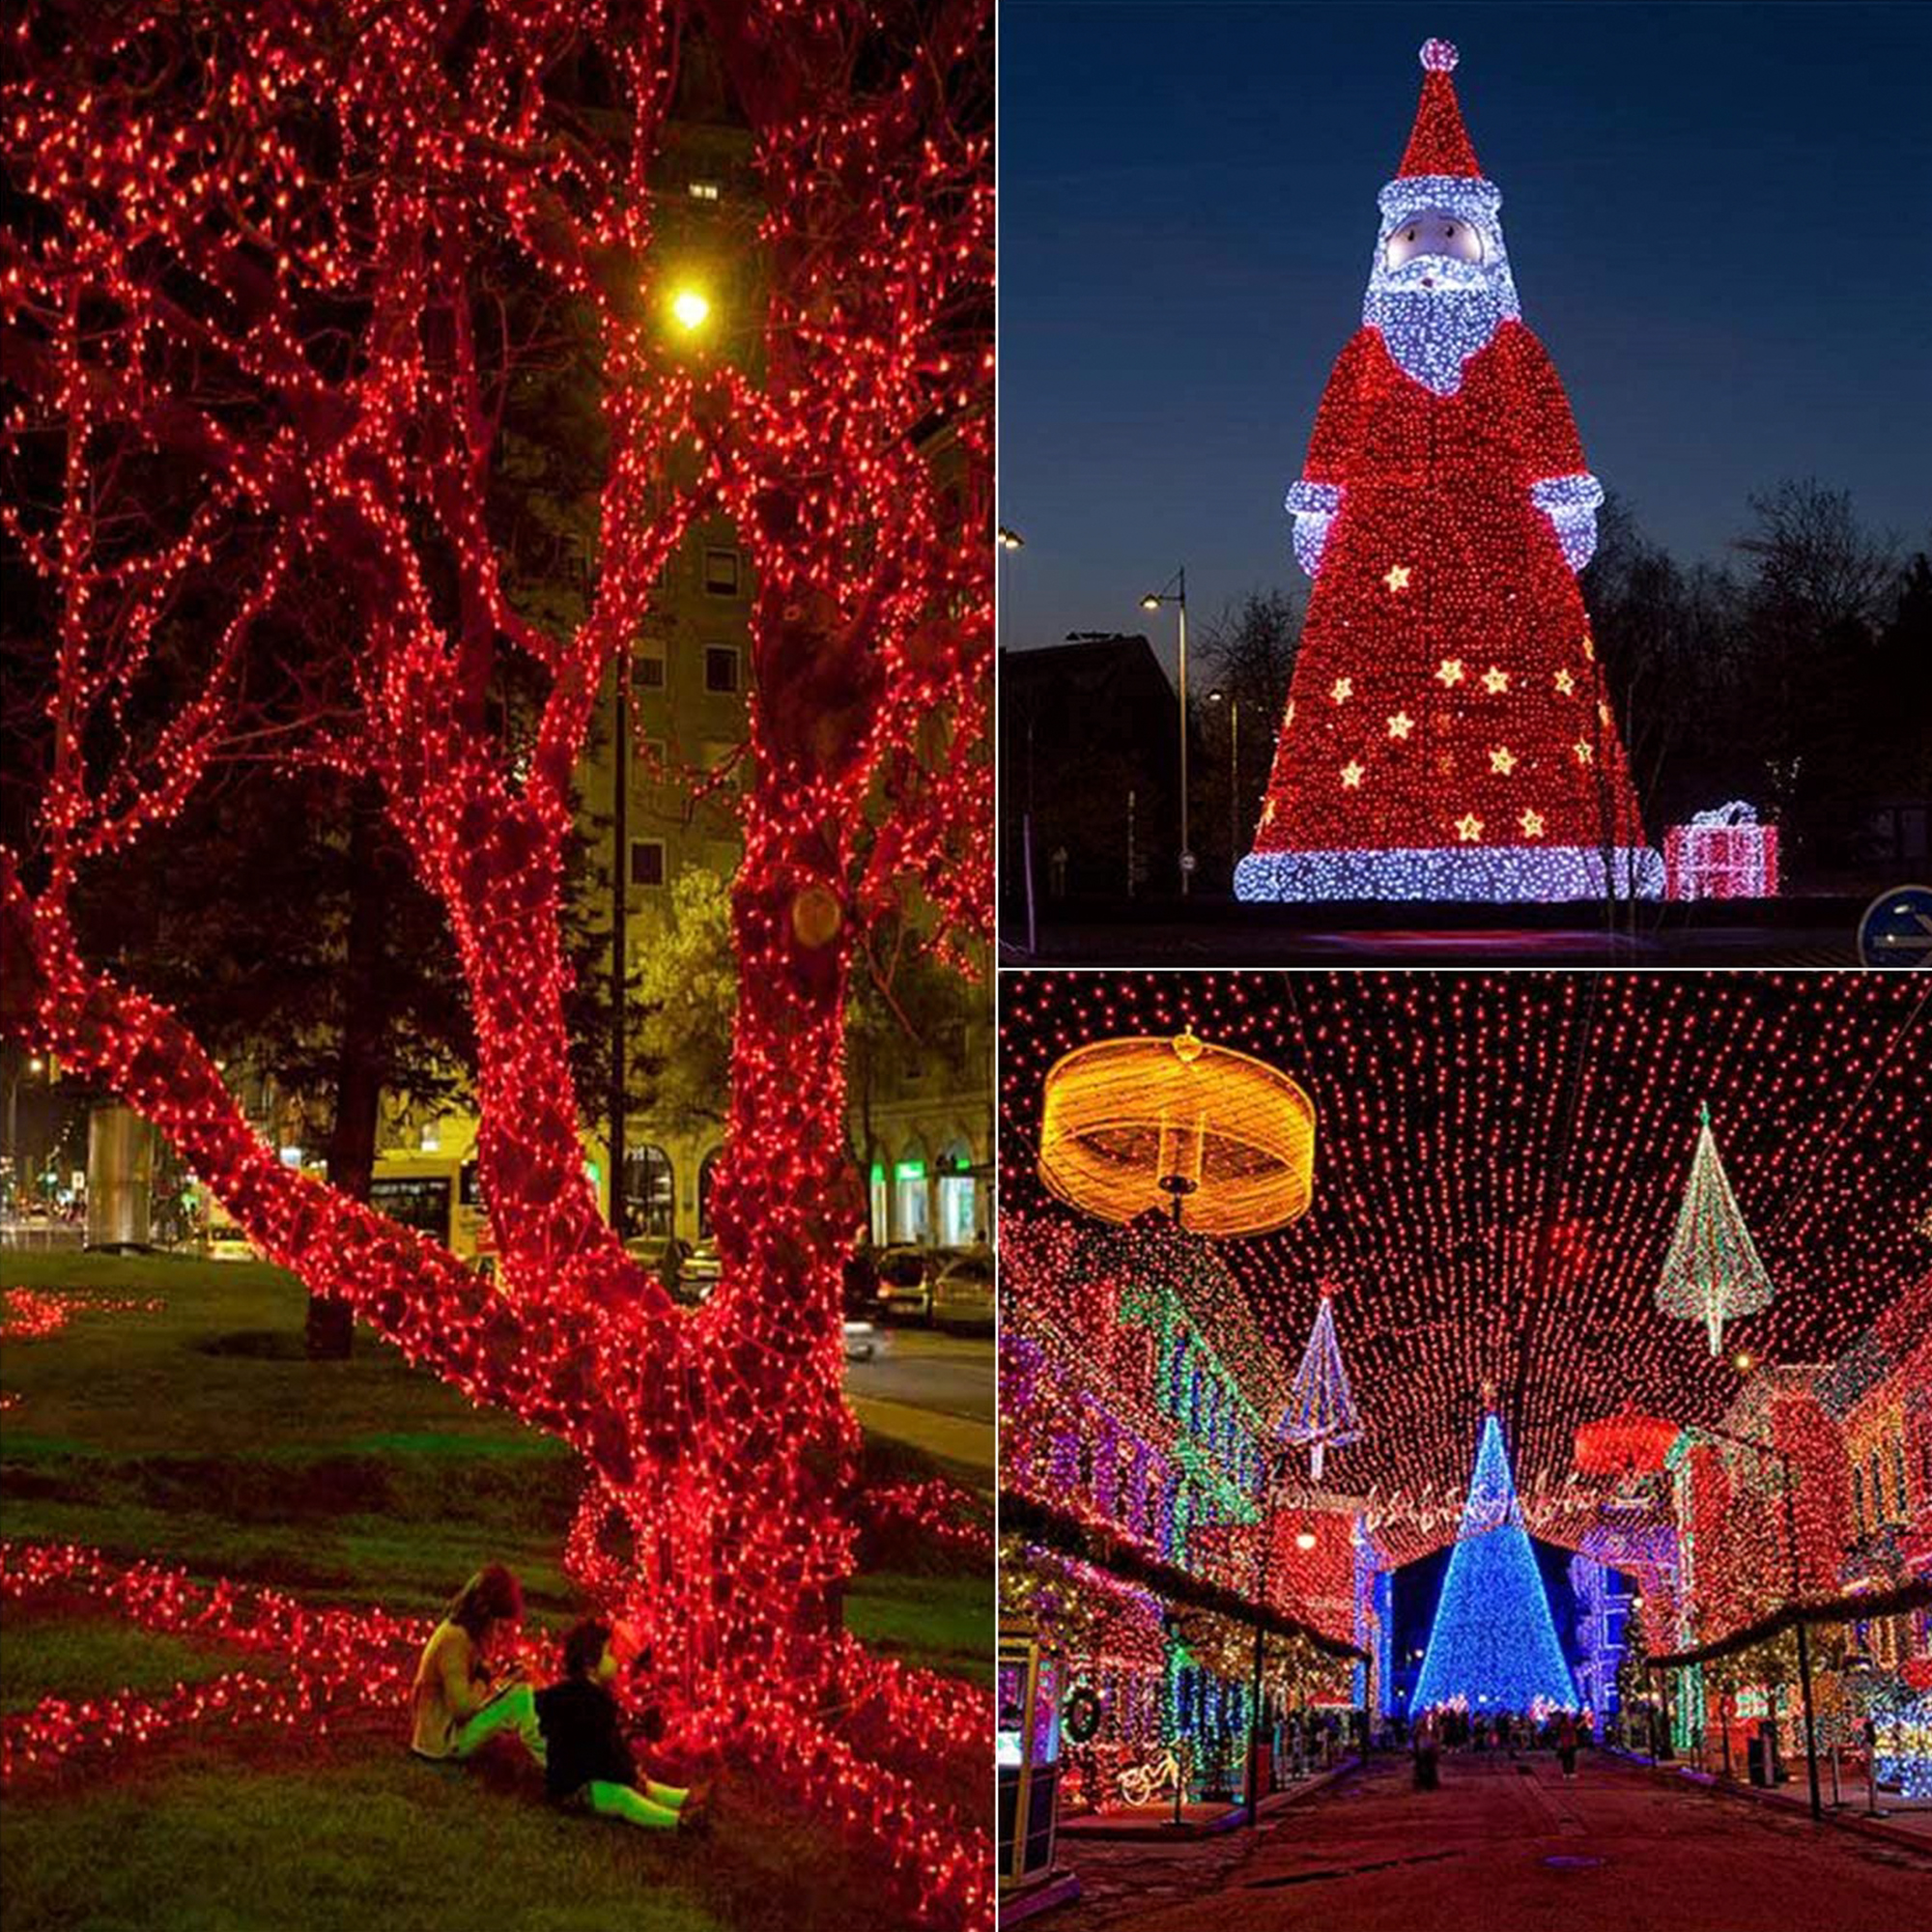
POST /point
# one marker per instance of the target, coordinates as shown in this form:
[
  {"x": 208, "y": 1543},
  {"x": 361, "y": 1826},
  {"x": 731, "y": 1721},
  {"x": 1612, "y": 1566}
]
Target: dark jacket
[{"x": 581, "y": 1737}]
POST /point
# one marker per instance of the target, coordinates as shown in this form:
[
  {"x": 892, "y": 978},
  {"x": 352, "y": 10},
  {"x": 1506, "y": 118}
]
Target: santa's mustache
[{"x": 1437, "y": 275}]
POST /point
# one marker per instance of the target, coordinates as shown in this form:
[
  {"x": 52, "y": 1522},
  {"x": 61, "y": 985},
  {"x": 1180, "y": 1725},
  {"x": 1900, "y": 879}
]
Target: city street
[
  {"x": 932, "y": 1390},
  {"x": 1504, "y": 1843}
]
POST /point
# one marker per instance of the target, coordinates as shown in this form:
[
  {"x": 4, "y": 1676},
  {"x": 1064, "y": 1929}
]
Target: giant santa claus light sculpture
[{"x": 1448, "y": 732}]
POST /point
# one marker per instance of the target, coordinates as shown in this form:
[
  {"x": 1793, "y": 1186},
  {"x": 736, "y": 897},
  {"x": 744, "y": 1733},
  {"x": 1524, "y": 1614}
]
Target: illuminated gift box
[{"x": 1721, "y": 853}]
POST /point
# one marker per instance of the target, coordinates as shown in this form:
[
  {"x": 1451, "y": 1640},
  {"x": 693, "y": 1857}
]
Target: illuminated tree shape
[
  {"x": 1492, "y": 1641},
  {"x": 1322, "y": 1408},
  {"x": 1713, "y": 1272}
]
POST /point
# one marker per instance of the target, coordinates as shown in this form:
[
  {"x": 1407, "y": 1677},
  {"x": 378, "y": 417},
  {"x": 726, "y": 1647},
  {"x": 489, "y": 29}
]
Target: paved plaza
[{"x": 1508, "y": 1844}]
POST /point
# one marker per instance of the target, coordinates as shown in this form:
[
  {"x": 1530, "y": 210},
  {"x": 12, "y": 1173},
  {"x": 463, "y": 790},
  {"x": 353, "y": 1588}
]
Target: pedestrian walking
[
  {"x": 1425, "y": 1746},
  {"x": 1566, "y": 1744}
]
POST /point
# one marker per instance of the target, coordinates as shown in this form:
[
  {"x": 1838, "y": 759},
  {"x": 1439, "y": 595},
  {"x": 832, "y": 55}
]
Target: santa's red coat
[{"x": 1447, "y": 692}]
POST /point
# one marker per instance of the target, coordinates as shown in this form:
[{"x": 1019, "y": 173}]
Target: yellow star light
[
  {"x": 1495, "y": 681},
  {"x": 1589, "y": 648},
  {"x": 1585, "y": 751},
  {"x": 1344, "y": 688},
  {"x": 1603, "y": 711},
  {"x": 1450, "y": 671},
  {"x": 1267, "y": 812},
  {"x": 1502, "y": 759},
  {"x": 1469, "y": 829},
  {"x": 1401, "y": 724},
  {"x": 1398, "y": 577},
  {"x": 1288, "y": 716},
  {"x": 1532, "y": 824},
  {"x": 1565, "y": 683},
  {"x": 1351, "y": 776}
]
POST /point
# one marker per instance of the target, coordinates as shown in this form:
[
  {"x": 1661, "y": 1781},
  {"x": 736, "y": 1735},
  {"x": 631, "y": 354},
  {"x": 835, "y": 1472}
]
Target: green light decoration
[{"x": 1713, "y": 1272}]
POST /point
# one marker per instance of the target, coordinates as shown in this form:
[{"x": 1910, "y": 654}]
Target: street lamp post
[
  {"x": 1787, "y": 1465},
  {"x": 1175, "y": 591}
]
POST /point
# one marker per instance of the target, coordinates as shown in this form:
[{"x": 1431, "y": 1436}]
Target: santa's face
[{"x": 1433, "y": 249}]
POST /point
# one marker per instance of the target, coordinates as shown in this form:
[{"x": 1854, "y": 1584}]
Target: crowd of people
[{"x": 1437, "y": 1731}]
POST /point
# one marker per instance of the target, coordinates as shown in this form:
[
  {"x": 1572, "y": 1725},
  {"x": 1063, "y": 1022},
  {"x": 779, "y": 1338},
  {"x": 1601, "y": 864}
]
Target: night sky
[{"x": 1717, "y": 217}]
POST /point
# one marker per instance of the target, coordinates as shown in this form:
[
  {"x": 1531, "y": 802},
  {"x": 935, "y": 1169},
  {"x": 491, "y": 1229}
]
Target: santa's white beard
[{"x": 1432, "y": 332}]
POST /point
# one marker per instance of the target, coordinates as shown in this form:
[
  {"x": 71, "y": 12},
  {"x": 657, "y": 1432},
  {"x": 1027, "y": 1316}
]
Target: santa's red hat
[{"x": 1439, "y": 144}]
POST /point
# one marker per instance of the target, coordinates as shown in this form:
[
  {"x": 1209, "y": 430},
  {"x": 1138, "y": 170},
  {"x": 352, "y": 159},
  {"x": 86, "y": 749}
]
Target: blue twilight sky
[{"x": 1720, "y": 218}]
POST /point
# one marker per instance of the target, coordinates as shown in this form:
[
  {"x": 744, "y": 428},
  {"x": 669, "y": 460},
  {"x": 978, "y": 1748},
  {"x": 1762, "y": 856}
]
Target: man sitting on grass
[{"x": 588, "y": 1761}]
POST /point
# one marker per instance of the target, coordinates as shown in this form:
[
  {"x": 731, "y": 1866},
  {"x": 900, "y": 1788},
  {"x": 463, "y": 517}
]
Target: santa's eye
[
  {"x": 1410, "y": 235},
  {"x": 1450, "y": 230}
]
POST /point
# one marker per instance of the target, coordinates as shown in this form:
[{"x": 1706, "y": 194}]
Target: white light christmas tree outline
[{"x": 1713, "y": 1270}]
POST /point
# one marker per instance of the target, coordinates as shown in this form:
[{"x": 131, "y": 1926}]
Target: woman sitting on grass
[
  {"x": 588, "y": 1760},
  {"x": 468, "y": 1687}
]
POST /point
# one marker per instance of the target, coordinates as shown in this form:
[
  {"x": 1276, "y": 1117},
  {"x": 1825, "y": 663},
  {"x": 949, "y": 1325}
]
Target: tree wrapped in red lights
[
  {"x": 277, "y": 278},
  {"x": 1449, "y": 733}
]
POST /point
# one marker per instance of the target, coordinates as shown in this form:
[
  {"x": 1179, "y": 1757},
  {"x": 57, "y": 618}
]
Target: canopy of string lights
[{"x": 1501, "y": 1170}]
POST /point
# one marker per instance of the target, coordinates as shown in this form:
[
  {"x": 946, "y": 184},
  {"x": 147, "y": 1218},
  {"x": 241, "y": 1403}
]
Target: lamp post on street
[{"x": 1175, "y": 591}]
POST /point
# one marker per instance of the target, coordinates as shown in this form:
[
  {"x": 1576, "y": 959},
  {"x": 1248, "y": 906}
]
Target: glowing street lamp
[{"x": 689, "y": 309}]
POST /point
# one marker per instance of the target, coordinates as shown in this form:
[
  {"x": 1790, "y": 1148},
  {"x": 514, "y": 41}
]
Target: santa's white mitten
[
  {"x": 1570, "y": 502},
  {"x": 1313, "y": 506}
]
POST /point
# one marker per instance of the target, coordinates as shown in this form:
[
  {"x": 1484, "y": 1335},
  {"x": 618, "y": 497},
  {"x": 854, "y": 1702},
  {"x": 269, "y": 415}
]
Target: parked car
[
  {"x": 230, "y": 1245},
  {"x": 664, "y": 1255},
  {"x": 703, "y": 1270},
  {"x": 962, "y": 1296},
  {"x": 905, "y": 1284}
]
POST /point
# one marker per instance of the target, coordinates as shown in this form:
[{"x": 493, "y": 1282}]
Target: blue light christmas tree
[{"x": 1494, "y": 1643}]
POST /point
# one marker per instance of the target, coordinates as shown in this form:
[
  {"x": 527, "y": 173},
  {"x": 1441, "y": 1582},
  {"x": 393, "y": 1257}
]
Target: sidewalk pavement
[
  {"x": 1900, "y": 1821},
  {"x": 1152, "y": 1823}
]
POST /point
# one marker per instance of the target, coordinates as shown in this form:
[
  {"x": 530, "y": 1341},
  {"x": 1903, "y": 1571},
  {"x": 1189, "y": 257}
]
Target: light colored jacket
[{"x": 449, "y": 1690}]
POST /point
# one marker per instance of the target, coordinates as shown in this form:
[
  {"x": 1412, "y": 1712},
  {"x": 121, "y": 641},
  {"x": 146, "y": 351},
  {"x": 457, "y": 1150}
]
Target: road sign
[{"x": 1897, "y": 929}]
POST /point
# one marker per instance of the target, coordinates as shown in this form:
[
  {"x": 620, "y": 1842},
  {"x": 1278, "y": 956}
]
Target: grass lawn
[{"x": 196, "y": 1433}]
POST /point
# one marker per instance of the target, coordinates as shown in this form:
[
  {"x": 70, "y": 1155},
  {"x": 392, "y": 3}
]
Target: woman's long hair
[{"x": 492, "y": 1596}]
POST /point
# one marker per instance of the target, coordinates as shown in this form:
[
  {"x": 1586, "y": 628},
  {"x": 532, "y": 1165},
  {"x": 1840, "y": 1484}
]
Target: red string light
[{"x": 259, "y": 362}]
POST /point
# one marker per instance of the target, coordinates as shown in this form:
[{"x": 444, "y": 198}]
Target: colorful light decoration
[
  {"x": 1321, "y": 1409},
  {"x": 1493, "y": 1645},
  {"x": 1627, "y": 1443},
  {"x": 1497, "y": 1160},
  {"x": 258, "y": 356},
  {"x": 1713, "y": 1272},
  {"x": 1449, "y": 733},
  {"x": 1224, "y": 1140},
  {"x": 1724, "y": 853}
]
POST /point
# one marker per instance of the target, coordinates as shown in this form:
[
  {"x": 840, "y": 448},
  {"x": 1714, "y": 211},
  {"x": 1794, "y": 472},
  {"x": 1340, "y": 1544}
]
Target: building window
[
  {"x": 648, "y": 1192},
  {"x": 911, "y": 1221},
  {"x": 703, "y": 190},
  {"x": 958, "y": 1198},
  {"x": 647, "y": 862},
  {"x": 720, "y": 667},
  {"x": 647, "y": 667},
  {"x": 708, "y": 1180},
  {"x": 721, "y": 572},
  {"x": 880, "y": 1203}
]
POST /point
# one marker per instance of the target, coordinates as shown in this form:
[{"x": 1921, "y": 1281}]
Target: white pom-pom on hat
[{"x": 1438, "y": 56}]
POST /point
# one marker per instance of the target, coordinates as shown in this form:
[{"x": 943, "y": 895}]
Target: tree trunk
[{"x": 358, "y": 1063}]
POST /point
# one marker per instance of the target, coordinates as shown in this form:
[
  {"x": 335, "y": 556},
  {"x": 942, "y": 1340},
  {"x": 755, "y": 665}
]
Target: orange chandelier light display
[{"x": 1226, "y": 1139}]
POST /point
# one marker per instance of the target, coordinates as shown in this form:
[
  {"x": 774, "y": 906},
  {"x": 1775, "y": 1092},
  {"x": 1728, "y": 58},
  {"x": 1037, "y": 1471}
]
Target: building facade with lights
[{"x": 1137, "y": 1407}]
